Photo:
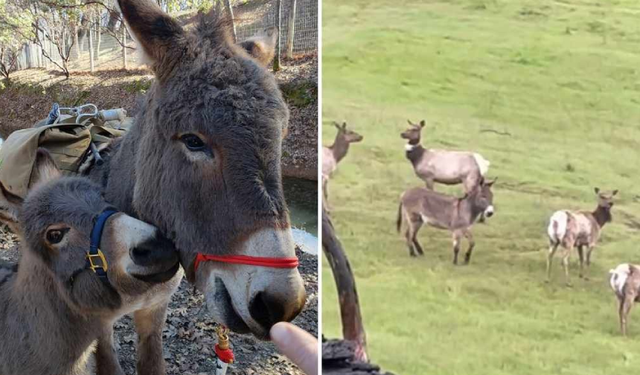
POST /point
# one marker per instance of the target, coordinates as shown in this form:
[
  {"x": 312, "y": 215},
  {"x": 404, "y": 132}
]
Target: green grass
[{"x": 563, "y": 79}]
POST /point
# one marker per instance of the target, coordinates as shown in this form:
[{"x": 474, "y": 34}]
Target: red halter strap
[{"x": 247, "y": 260}]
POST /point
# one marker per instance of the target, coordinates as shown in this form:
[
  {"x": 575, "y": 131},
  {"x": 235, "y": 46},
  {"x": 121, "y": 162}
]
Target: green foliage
[
  {"x": 300, "y": 93},
  {"x": 570, "y": 104},
  {"x": 138, "y": 85}
]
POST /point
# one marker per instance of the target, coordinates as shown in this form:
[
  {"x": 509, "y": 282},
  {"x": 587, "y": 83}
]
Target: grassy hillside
[{"x": 560, "y": 82}]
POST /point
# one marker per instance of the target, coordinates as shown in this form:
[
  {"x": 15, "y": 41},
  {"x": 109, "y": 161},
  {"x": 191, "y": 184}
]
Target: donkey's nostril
[
  {"x": 267, "y": 310},
  {"x": 141, "y": 253},
  {"x": 156, "y": 250}
]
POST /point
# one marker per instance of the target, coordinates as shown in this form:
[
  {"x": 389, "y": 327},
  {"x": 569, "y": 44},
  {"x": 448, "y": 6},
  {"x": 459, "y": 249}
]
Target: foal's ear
[
  {"x": 614, "y": 192},
  {"x": 262, "y": 47},
  {"x": 597, "y": 190},
  {"x": 44, "y": 170},
  {"x": 9, "y": 209},
  {"x": 344, "y": 125},
  {"x": 409, "y": 121},
  {"x": 423, "y": 123},
  {"x": 337, "y": 125},
  {"x": 160, "y": 36}
]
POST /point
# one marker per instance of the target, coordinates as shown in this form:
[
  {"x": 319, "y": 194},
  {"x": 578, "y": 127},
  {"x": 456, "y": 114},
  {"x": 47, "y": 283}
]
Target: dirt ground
[
  {"x": 29, "y": 96},
  {"x": 189, "y": 337}
]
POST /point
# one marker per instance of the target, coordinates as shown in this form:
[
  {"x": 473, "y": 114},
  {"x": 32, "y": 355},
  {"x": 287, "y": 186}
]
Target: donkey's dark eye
[
  {"x": 193, "y": 142},
  {"x": 54, "y": 236}
]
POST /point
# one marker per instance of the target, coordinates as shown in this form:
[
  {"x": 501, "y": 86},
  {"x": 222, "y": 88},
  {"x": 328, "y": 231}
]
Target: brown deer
[
  {"x": 333, "y": 154},
  {"x": 82, "y": 267},
  {"x": 420, "y": 206},
  {"x": 578, "y": 229},
  {"x": 202, "y": 163},
  {"x": 443, "y": 166}
]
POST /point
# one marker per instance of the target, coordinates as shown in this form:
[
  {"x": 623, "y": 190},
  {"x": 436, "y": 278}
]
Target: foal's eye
[
  {"x": 54, "y": 236},
  {"x": 193, "y": 142}
]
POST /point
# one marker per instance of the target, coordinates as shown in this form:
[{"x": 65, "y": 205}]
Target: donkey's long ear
[
  {"x": 614, "y": 192},
  {"x": 44, "y": 170},
  {"x": 423, "y": 123},
  {"x": 262, "y": 47},
  {"x": 337, "y": 125},
  {"x": 160, "y": 36},
  {"x": 9, "y": 208},
  {"x": 597, "y": 190}
]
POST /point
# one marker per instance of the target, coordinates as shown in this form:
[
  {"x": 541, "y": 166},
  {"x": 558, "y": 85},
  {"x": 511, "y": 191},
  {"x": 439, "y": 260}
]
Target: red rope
[{"x": 248, "y": 260}]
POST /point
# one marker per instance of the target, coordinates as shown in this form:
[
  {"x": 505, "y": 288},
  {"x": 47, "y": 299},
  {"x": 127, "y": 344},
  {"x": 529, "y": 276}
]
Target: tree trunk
[
  {"x": 75, "y": 41},
  {"x": 99, "y": 36},
  {"x": 352, "y": 327},
  {"x": 91, "y": 63},
  {"x": 124, "y": 47},
  {"x": 276, "y": 61},
  {"x": 227, "y": 4},
  {"x": 114, "y": 17},
  {"x": 291, "y": 29}
]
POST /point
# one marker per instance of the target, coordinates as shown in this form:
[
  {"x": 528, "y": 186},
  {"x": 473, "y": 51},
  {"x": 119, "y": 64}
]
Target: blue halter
[{"x": 96, "y": 260}]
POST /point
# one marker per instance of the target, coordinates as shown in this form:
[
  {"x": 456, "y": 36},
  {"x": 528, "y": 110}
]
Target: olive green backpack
[{"x": 69, "y": 135}]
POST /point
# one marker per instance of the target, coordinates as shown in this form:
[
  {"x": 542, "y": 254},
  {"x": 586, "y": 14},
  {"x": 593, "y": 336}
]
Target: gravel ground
[{"x": 189, "y": 337}]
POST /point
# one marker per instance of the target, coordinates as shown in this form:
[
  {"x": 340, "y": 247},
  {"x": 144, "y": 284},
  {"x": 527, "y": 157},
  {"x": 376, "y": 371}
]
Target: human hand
[{"x": 298, "y": 345}]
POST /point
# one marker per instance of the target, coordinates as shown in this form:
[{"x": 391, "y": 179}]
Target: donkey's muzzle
[
  {"x": 158, "y": 256},
  {"x": 268, "y": 309},
  {"x": 153, "y": 251}
]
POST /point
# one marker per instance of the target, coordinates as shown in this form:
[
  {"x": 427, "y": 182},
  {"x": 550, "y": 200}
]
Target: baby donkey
[{"x": 83, "y": 265}]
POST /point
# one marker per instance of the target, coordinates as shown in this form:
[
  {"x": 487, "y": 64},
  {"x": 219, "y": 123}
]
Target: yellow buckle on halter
[{"x": 100, "y": 256}]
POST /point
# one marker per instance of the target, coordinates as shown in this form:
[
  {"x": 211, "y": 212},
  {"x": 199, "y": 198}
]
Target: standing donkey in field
[
  {"x": 443, "y": 166},
  {"x": 625, "y": 282},
  {"x": 420, "y": 206},
  {"x": 333, "y": 154},
  {"x": 578, "y": 229},
  {"x": 83, "y": 266},
  {"x": 202, "y": 164}
]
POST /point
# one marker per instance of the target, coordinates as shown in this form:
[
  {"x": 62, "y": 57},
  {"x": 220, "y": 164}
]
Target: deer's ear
[
  {"x": 44, "y": 170},
  {"x": 262, "y": 47},
  {"x": 344, "y": 125},
  {"x": 597, "y": 190},
  {"x": 423, "y": 123},
  {"x": 160, "y": 36},
  {"x": 337, "y": 125},
  {"x": 409, "y": 122},
  {"x": 614, "y": 192}
]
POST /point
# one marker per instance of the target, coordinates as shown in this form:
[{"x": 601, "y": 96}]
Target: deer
[
  {"x": 333, "y": 154},
  {"x": 83, "y": 266},
  {"x": 578, "y": 230},
  {"x": 625, "y": 282},
  {"x": 443, "y": 166},
  {"x": 420, "y": 206}
]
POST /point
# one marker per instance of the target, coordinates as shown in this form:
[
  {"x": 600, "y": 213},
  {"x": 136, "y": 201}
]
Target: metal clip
[{"x": 100, "y": 256}]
